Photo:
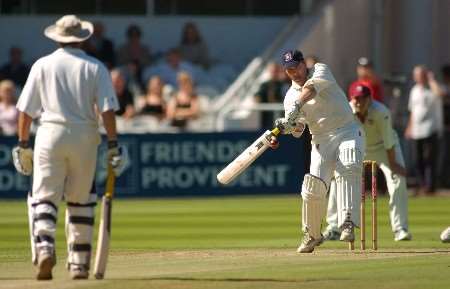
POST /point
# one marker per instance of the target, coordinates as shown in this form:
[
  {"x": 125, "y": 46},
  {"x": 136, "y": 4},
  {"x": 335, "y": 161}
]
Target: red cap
[{"x": 359, "y": 90}]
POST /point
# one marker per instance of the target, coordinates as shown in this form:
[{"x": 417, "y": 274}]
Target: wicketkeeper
[
  {"x": 383, "y": 147},
  {"x": 64, "y": 89},
  {"x": 338, "y": 146}
]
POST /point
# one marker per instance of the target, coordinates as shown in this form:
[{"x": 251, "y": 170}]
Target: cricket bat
[
  {"x": 246, "y": 158},
  {"x": 104, "y": 230}
]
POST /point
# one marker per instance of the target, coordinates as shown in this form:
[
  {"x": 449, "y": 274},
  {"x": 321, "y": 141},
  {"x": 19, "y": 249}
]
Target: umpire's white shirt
[
  {"x": 64, "y": 86},
  {"x": 328, "y": 110}
]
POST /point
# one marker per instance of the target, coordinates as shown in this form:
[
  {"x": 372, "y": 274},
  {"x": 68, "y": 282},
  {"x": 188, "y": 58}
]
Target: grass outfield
[{"x": 237, "y": 242}]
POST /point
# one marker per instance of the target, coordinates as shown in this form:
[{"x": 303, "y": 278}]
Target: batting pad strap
[
  {"x": 80, "y": 247},
  {"x": 44, "y": 216},
  {"x": 313, "y": 187},
  {"x": 44, "y": 238},
  {"x": 81, "y": 220},
  {"x": 49, "y": 203},
  {"x": 93, "y": 204}
]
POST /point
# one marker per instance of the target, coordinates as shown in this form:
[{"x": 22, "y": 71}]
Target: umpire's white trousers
[
  {"x": 64, "y": 167},
  {"x": 396, "y": 185}
]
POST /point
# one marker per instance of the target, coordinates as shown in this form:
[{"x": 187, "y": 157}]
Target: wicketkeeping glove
[
  {"x": 23, "y": 158},
  {"x": 117, "y": 157}
]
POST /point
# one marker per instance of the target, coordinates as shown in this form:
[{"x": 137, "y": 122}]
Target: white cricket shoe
[
  {"x": 331, "y": 234},
  {"x": 445, "y": 235},
  {"x": 348, "y": 232},
  {"x": 78, "y": 272},
  {"x": 308, "y": 243},
  {"x": 402, "y": 235},
  {"x": 46, "y": 262}
]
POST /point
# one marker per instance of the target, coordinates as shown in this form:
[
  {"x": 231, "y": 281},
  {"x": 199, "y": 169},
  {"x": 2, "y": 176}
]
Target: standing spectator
[
  {"x": 8, "y": 110},
  {"x": 15, "y": 69},
  {"x": 134, "y": 49},
  {"x": 100, "y": 47},
  {"x": 126, "y": 101},
  {"x": 270, "y": 91},
  {"x": 184, "y": 105},
  {"x": 443, "y": 91},
  {"x": 192, "y": 46},
  {"x": 169, "y": 70},
  {"x": 366, "y": 76},
  {"x": 423, "y": 128},
  {"x": 153, "y": 103}
]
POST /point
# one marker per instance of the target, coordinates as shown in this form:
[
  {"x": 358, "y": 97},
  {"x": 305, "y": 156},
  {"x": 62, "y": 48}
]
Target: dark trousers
[{"x": 426, "y": 151}]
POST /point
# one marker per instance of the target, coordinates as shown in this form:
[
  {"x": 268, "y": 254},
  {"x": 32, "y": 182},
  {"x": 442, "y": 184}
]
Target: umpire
[{"x": 64, "y": 90}]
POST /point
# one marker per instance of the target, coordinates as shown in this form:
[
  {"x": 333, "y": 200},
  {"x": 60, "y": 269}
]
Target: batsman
[{"x": 338, "y": 146}]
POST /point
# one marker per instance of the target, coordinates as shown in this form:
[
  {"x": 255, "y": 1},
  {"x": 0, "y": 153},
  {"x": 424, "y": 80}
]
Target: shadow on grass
[{"x": 230, "y": 279}]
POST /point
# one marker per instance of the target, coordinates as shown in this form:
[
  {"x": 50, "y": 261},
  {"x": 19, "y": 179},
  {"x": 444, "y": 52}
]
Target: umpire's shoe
[
  {"x": 78, "y": 272},
  {"x": 308, "y": 243},
  {"x": 46, "y": 262}
]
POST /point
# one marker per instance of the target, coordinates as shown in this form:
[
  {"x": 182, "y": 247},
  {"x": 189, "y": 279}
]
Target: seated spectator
[
  {"x": 15, "y": 69},
  {"x": 8, "y": 111},
  {"x": 184, "y": 105},
  {"x": 270, "y": 91},
  {"x": 192, "y": 46},
  {"x": 366, "y": 76},
  {"x": 124, "y": 96},
  {"x": 133, "y": 49},
  {"x": 169, "y": 70},
  {"x": 153, "y": 103},
  {"x": 100, "y": 47},
  {"x": 424, "y": 125}
]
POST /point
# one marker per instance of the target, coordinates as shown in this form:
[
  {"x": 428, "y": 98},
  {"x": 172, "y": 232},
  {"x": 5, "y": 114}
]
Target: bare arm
[
  {"x": 434, "y": 85},
  {"x": 408, "y": 127},
  {"x": 395, "y": 167},
  {"x": 24, "y": 124},
  {"x": 109, "y": 121}
]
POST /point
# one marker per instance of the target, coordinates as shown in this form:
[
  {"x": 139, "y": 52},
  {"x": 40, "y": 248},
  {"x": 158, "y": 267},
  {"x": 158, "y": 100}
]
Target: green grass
[{"x": 238, "y": 242}]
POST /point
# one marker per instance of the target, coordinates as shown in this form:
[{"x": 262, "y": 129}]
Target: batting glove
[
  {"x": 22, "y": 156},
  {"x": 285, "y": 126},
  {"x": 117, "y": 157}
]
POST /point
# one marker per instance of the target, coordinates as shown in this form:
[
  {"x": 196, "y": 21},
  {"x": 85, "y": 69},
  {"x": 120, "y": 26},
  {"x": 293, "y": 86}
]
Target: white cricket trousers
[
  {"x": 337, "y": 154},
  {"x": 64, "y": 167},
  {"x": 396, "y": 185}
]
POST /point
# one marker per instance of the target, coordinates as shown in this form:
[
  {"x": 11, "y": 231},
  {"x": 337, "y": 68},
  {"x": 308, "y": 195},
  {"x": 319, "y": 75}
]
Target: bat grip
[
  {"x": 275, "y": 131},
  {"x": 110, "y": 182}
]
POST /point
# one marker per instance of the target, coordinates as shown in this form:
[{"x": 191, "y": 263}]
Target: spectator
[
  {"x": 270, "y": 91},
  {"x": 126, "y": 102},
  {"x": 100, "y": 47},
  {"x": 8, "y": 111},
  {"x": 423, "y": 128},
  {"x": 169, "y": 70},
  {"x": 443, "y": 91},
  {"x": 366, "y": 76},
  {"x": 132, "y": 72},
  {"x": 184, "y": 105},
  {"x": 192, "y": 46},
  {"x": 133, "y": 49},
  {"x": 15, "y": 69},
  {"x": 153, "y": 103}
]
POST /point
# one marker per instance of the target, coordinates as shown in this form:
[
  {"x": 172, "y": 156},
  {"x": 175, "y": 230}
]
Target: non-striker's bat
[
  {"x": 247, "y": 157},
  {"x": 104, "y": 231}
]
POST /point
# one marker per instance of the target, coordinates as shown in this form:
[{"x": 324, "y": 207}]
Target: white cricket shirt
[
  {"x": 328, "y": 110},
  {"x": 65, "y": 86},
  {"x": 426, "y": 112},
  {"x": 378, "y": 127}
]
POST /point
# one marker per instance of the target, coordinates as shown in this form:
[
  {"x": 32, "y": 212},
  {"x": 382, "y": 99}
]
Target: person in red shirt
[{"x": 366, "y": 76}]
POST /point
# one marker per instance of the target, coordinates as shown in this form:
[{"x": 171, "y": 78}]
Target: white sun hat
[{"x": 68, "y": 29}]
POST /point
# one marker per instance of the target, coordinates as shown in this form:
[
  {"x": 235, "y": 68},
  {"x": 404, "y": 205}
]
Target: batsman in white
[
  {"x": 64, "y": 89},
  {"x": 383, "y": 147},
  {"x": 338, "y": 145}
]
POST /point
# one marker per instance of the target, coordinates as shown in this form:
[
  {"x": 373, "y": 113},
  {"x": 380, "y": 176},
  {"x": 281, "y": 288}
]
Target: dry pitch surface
[{"x": 237, "y": 243}]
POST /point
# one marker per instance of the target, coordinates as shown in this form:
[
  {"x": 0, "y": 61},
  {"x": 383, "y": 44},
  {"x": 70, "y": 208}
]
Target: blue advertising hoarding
[{"x": 185, "y": 164}]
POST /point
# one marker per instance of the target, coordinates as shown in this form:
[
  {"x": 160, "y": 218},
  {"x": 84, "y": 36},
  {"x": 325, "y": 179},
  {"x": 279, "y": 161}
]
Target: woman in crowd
[
  {"x": 192, "y": 47},
  {"x": 153, "y": 103},
  {"x": 8, "y": 111},
  {"x": 184, "y": 105}
]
